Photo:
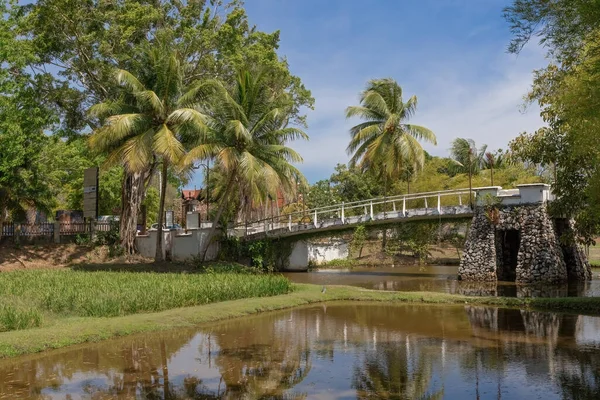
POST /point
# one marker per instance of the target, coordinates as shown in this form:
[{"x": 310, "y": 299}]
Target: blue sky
[{"x": 450, "y": 53}]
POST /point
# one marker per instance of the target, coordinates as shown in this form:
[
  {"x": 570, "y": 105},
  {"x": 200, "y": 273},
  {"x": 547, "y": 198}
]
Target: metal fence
[{"x": 46, "y": 229}]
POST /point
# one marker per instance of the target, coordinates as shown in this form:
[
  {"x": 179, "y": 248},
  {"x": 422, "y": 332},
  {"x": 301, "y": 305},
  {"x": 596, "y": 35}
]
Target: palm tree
[
  {"x": 384, "y": 141},
  {"x": 145, "y": 128},
  {"x": 247, "y": 139},
  {"x": 492, "y": 161},
  {"x": 470, "y": 160}
]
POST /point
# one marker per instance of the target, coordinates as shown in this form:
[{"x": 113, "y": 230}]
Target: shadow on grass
[{"x": 163, "y": 267}]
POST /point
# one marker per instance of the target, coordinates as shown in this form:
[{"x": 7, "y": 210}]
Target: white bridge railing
[{"x": 453, "y": 202}]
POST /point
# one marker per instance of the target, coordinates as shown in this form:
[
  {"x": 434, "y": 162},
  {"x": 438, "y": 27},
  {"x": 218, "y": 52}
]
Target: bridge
[{"x": 437, "y": 205}]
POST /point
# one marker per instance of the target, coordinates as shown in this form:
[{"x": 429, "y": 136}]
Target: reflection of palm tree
[{"x": 386, "y": 375}]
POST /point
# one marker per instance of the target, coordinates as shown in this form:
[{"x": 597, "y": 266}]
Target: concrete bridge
[
  {"x": 512, "y": 236},
  {"x": 437, "y": 205}
]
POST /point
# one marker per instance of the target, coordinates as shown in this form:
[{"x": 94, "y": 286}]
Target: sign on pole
[
  {"x": 169, "y": 219},
  {"x": 90, "y": 193}
]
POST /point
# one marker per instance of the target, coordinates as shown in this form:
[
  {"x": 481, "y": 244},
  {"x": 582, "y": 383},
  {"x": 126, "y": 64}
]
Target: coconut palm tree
[
  {"x": 385, "y": 142},
  {"x": 493, "y": 160},
  {"x": 247, "y": 138},
  {"x": 145, "y": 128},
  {"x": 468, "y": 159}
]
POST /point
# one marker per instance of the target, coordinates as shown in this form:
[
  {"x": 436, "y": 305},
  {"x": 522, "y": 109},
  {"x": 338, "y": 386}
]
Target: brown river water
[
  {"x": 433, "y": 278},
  {"x": 336, "y": 351}
]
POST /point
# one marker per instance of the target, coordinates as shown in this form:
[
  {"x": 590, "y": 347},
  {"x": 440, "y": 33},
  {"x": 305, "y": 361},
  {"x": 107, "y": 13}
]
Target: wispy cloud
[{"x": 453, "y": 57}]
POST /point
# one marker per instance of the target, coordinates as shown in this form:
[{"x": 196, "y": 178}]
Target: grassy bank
[
  {"x": 73, "y": 330},
  {"x": 35, "y": 298}
]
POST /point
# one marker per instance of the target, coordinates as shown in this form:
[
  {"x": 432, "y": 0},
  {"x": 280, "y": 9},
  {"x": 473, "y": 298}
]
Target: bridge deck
[{"x": 333, "y": 218}]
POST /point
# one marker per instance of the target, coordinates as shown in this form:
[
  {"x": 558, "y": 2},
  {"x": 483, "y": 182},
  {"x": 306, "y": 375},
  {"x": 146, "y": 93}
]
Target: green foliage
[
  {"x": 414, "y": 237},
  {"x": 345, "y": 263},
  {"x": 568, "y": 93},
  {"x": 266, "y": 255},
  {"x": 108, "y": 294},
  {"x": 384, "y": 141},
  {"x": 14, "y": 318},
  {"x": 359, "y": 238}
]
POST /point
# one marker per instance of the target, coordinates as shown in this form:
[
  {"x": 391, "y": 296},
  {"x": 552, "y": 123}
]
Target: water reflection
[
  {"x": 433, "y": 278},
  {"x": 332, "y": 351}
]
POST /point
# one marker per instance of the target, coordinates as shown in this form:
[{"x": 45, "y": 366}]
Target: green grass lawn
[{"x": 36, "y": 298}]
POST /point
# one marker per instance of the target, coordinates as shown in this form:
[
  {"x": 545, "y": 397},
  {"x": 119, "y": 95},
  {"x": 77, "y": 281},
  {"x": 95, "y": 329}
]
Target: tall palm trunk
[
  {"x": 161, "y": 212},
  {"x": 470, "y": 187},
  {"x": 133, "y": 191},
  {"x": 384, "y": 239},
  {"x": 213, "y": 228}
]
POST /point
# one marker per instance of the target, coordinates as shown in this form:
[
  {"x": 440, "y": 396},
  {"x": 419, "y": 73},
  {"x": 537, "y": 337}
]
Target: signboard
[
  {"x": 169, "y": 219},
  {"x": 90, "y": 193}
]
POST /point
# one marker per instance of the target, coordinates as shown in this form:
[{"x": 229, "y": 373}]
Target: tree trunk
[
  {"x": 470, "y": 189},
  {"x": 161, "y": 211},
  {"x": 132, "y": 196},
  {"x": 384, "y": 239},
  {"x": 213, "y": 228},
  {"x": 2, "y": 214}
]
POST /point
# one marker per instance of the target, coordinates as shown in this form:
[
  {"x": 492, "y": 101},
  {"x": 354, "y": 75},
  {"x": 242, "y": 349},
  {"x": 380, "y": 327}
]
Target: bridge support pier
[
  {"x": 306, "y": 252},
  {"x": 519, "y": 242}
]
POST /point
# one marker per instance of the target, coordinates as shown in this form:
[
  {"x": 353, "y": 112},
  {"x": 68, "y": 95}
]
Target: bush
[{"x": 16, "y": 318}]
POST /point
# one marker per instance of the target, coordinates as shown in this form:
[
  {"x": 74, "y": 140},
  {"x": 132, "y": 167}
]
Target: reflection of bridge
[{"x": 382, "y": 210}]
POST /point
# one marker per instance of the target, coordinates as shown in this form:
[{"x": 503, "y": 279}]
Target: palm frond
[
  {"x": 167, "y": 145},
  {"x": 127, "y": 79}
]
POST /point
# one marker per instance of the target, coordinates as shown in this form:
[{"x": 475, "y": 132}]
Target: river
[
  {"x": 337, "y": 350},
  {"x": 432, "y": 278},
  {"x": 332, "y": 351}
]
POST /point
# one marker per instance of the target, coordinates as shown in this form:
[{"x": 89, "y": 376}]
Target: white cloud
[{"x": 453, "y": 102}]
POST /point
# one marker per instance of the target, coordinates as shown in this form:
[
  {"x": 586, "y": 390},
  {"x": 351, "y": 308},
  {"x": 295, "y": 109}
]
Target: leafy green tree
[
  {"x": 147, "y": 126},
  {"x": 359, "y": 237},
  {"x": 321, "y": 194},
  {"x": 247, "y": 138},
  {"x": 568, "y": 93},
  {"x": 23, "y": 118}
]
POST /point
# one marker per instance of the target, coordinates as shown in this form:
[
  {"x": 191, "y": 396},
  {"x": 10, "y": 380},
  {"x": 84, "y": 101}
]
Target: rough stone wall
[
  {"x": 539, "y": 257},
  {"x": 478, "y": 262},
  {"x": 578, "y": 267}
]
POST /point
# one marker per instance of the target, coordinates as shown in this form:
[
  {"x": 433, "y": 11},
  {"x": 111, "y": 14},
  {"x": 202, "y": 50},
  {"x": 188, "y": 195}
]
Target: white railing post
[
  {"x": 371, "y": 209},
  {"x": 403, "y": 206},
  {"x": 459, "y": 200},
  {"x": 439, "y": 203},
  {"x": 290, "y": 222},
  {"x": 365, "y": 210},
  {"x": 394, "y": 206},
  {"x": 343, "y": 216},
  {"x": 315, "y": 220},
  {"x": 426, "y": 206}
]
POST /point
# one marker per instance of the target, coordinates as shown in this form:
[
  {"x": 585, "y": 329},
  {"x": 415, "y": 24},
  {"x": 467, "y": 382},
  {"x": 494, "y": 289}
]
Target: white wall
[
  {"x": 305, "y": 252},
  {"x": 180, "y": 246}
]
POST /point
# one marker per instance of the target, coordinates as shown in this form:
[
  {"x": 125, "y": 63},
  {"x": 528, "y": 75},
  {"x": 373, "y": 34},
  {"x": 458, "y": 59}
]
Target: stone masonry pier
[{"x": 513, "y": 238}]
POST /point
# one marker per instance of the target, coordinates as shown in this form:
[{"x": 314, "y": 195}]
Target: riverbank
[{"x": 75, "y": 330}]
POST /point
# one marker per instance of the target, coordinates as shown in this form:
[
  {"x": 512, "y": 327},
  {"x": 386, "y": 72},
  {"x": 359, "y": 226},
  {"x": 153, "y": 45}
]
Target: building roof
[{"x": 192, "y": 194}]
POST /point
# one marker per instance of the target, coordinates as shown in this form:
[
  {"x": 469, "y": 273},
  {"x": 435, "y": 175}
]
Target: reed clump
[{"x": 110, "y": 294}]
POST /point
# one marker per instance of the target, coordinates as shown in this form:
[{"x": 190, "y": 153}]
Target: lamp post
[{"x": 206, "y": 177}]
